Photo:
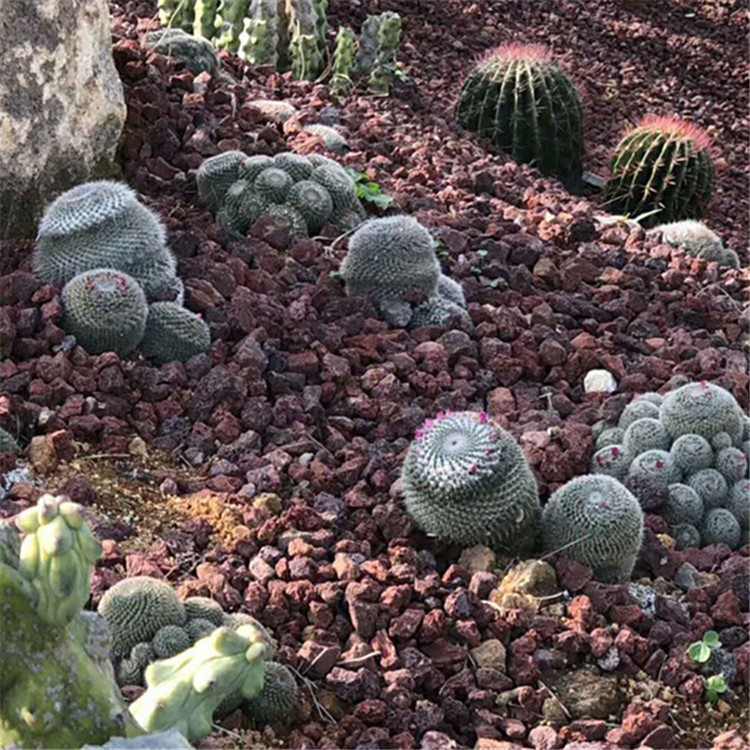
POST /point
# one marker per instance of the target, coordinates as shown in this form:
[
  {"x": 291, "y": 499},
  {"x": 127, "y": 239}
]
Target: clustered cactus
[
  {"x": 698, "y": 241},
  {"x": 663, "y": 168},
  {"x": 197, "y": 53},
  {"x": 521, "y": 101},
  {"x": 681, "y": 456},
  {"x": 120, "y": 288},
  {"x": 392, "y": 262},
  {"x": 465, "y": 480}
]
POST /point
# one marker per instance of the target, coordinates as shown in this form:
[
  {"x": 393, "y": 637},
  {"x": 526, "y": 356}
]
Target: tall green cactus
[
  {"x": 258, "y": 42},
  {"x": 389, "y": 36},
  {"x": 307, "y": 57},
  {"x": 526, "y": 106},
  {"x": 229, "y": 24},
  {"x": 204, "y": 25},
  {"x": 662, "y": 166},
  {"x": 343, "y": 62}
]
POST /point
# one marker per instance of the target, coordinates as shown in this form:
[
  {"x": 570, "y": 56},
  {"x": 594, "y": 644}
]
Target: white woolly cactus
[
  {"x": 683, "y": 505},
  {"x": 638, "y": 409},
  {"x": 610, "y": 436},
  {"x": 698, "y": 241},
  {"x": 685, "y": 535},
  {"x": 466, "y": 480},
  {"x": 650, "y": 475},
  {"x": 644, "y": 435},
  {"x": 612, "y": 460},
  {"x": 738, "y": 503},
  {"x": 692, "y": 453},
  {"x": 711, "y": 486},
  {"x": 437, "y": 311}
]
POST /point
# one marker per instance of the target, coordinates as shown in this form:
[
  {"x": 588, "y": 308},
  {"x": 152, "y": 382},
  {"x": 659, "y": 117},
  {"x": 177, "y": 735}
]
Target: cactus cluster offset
[
  {"x": 465, "y": 480},
  {"x": 174, "y": 334},
  {"x": 698, "y": 241},
  {"x": 196, "y": 53},
  {"x": 522, "y": 102},
  {"x": 683, "y": 456},
  {"x": 662, "y": 167}
]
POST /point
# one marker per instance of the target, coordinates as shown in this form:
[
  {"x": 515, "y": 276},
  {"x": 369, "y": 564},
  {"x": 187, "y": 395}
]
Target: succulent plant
[
  {"x": 342, "y": 81},
  {"x": 612, "y": 460},
  {"x": 466, "y": 480},
  {"x": 332, "y": 139},
  {"x": 216, "y": 175},
  {"x": 637, "y": 409},
  {"x": 204, "y": 25},
  {"x": 296, "y": 221},
  {"x": 597, "y": 522},
  {"x": 296, "y": 166},
  {"x": 650, "y": 396},
  {"x": 695, "y": 237},
  {"x": 199, "y": 628},
  {"x": 338, "y": 184},
  {"x": 649, "y": 477},
  {"x": 275, "y": 703},
  {"x": 610, "y": 436},
  {"x": 306, "y": 48},
  {"x": 738, "y": 502},
  {"x": 451, "y": 290},
  {"x": 201, "y": 607},
  {"x": 242, "y": 206},
  {"x": 721, "y": 527},
  {"x": 525, "y": 105},
  {"x": 731, "y": 463},
  {"x": 273, "y": 185},
  {"x": 692, "y": 453},
  {"x": 683, "y": 505},
  {"x": 711, "y": 486},
  {"x": 663, "y": 165},
  {"x": 197, "y": 54},
  {"x": 258, "y": 42},
  {"x": 436, "y": 311},
  {"x": 384, "y": 68},
  {"x": 251, "y": 166},
  {"x": 105, "y": 310},
  {"x": 174, "y": 334},
  {"x": 130, "y": 670},
  {"x": 685, "y": 536},
  {"x": 230, "y": 17},
  {"x": 8, "y": 443},
  {"x": 312, "y": 200},
  {"x": 720, "y": 441},
  {"x": 170, "y": 641},
  {"x": 644, "y": 435},
  {"x": 367, "y": 50},
  {"x": 135, "y": 609},
  {"x": 702, "y": 409}
]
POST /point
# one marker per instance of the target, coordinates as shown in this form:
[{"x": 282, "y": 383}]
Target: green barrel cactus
[
  {"x": 610, "y": 436},
  {"x": 738, "y": 503},
  {"x": 612, "y": 461},
  {"x": 216, "y": 175},
  {"x": 343, "y": 62},
  {"x": 276, "y": 702},
  {"x": 598, "y": 522},
  {"x": 649, "y": 477},
  {"x": 338, "y": 184},
  {"x": 698, "y": 241},
  {"x": 685, "y": 536},
  {"x": 451, "y": 291},
  {"x": 197, "y": 54},
  {"x": 692, "y": 453},
  {"x": 664, "y": 166},
  {"x": 645, "y": 435},
  {"x": 242, "y": 206},
  {"x": 384, "y": 68},
  {"x": 437, "y": 311},
  {"x": 522, "y": 102},
  {"x": 174, "y": 334},
  {"x": 313, "y": 201},
  {"x": 731, "y": 463},
  {"x": 201, "y": 607},
  {"x": 105, "y": 310},
  {"x": 721, "y": 527},
  {"x": 8, "y": 443},
  {"x": 251, "y": 166},
  {"x": 683, "y": 505},
  {"x": 170, "y": 641},
  {"x": 130, "y": 670},
  {"x": 711, "y": 486},
  {"x": 465, "y": 480},
  {"x": 637, "y": 409},
  {"x": 702, "y": 409}
]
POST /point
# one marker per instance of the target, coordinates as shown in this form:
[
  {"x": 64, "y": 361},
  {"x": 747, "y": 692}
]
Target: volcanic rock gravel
[{"x": 298, "y": 419}]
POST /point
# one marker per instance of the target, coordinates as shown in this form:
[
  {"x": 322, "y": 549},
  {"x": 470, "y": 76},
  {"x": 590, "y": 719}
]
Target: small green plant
[
  {"x": 369, "y": 191},
  {"x": 700, "y": 651},
  {"x": 715, "y": 686}
]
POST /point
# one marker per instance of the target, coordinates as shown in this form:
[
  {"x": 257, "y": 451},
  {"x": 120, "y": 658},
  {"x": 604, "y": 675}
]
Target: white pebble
[{"x": 599, "y": 381}]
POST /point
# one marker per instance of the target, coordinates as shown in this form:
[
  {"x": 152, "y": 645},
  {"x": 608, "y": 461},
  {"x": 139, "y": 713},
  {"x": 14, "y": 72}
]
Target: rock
[
  {"x": 490, "y": 655},
  {"x": 477, "y": 559},
  {"x": 731, "y": 740},
  {"x": 599, "y": 381},
  {"x": 43, "y": 456},
  {"x": 585, "y": 692},
  {"x": 65, "y": 121},
  {"x": 544, "y": 738}
]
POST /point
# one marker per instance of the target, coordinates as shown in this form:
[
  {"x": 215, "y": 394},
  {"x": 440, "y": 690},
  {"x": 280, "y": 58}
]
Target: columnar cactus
[
  {"x": 598, "y": 522},
  {"x": 367, "y": 51},
  {"x": 698, "y": 241},
  {"x": 521, "y": 101},
  {"x": 343, "y": 62},
  {"x": 229, "y": 23},
  {"x": 177, "y": 14},
  {"x": 174, "y": 334},
  {"x": 465, "y": 480},
  {"x": 308, "y": 59},
  {"x": 258, "y": 40},
  {"x": 105, "y": 310},
  {"x": 663, "y": 165},
  {"x": 204, "y": 25},
  {"x": 389, "y": 36},
  {"x": 721, "y": 527}
]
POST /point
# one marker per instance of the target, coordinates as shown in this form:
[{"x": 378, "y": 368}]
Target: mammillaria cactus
[
  {"x": 295, "y": 220},
  {"x": 702, "y": 409},
  {"x": 8, "y": 443},
  {"x": 466, "y": 480},
  {"x": 520, "y": 100},
  {"x": 651, "y": 397},
  {"x": 637, "y": 409},
  {"x": 692, "y": 453},
  {"x": 610, "y": 436},
  {"x": 130, "y": 670},
  {"x": 612, "y": 460},
  {"x": 436, "y": 311},
  {"x": 273, "y": 185},
  {"x": 451, "y": 290},
  {"x": 174, "y": 334},
  {"x": 683, "y": 505},
  {"x": 216, "y": 175},
  {"x": 170, "y": 641},
  {"x": 296, "y": 166},
  {"x": 649, "y": 477},
  {"x": 343, "y": 62},
  {"x": 338, "y": 184},
  {"x": 197, "y": 54},
  {"x": 698, "y": 241},
  {"x": 663, "y": 165},
  {"x": 276, "y": 701},
  {"x": 242, "y": 207},
  {"x": 105, "y": 310},
  {"x": 711, "y": 486},
  {"x": 200, "y": 607},
  {"x": 721, "y": 527},
  {"x": 685, "y": 536},
  {"x": 731, "y": 463},
  {"x": 738, "y": 503},
  {"x": 251, "y": 166},
  {"x": 644, "y": 435},
  {"x": 312, "y": 200},
  {"x": 720, "y": 441},
  {"x": 598, "y": 522},
  {"x": 199, "y": 628},
  {"x": 389, "y": 36}
]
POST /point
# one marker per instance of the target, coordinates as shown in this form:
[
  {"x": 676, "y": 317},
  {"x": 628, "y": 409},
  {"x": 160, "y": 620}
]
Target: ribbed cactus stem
[
  {"x": 321, "y": 26},
  {"x": 258, "y": 43},
  {"x": 306, "y": 54},
  {"x": 389, "y": 36},
  {"x": 343, "y": 62},
  {"x": 229, "y": 24},
  {"x": 368, "y": 46},
  {"x": 204, "y": 25}
]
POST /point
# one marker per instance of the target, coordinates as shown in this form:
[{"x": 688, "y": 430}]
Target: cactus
[
  {"x": 649, "y": 477},
  {"x": 135, "y": 609},
  {"x": 685, "y": 535},
  {"x": 601, "y": 522},
  {"x": 731, "y": 463},
  {"x": 343, "y": 62},
  {"x": 610, "y": 436},
  {"x": 644, "y": 435},
  {"x": 197, "y": 54},
  {"x": 297, "y": 223},
  {"x": 696, "y": 239},
  {"x": 721, "y": 527},
  {"x": 170, "y": 641},
  {"x": 105, "y": 310},
  {"x": 338, "y": 184},
  {"x": 348, "y": 219},
  {"x": 216, "y": 175},
  {"x": 273, "y": 185},
  {"x": 332, "y": 139},
  {"x": 296, "y": 166},
  {"x": 229, "y": 23},
  {"x": 204, "y": 25},
  {"x": 177, "y": 14},
  {"x": 466, "y": 480},
  {"x": 200, "y": 607},
  {"x": 692, "y": 453},
  {"x": 368, "y": 46},
  {"x": 252, "y": 166},
  {"x": 305, "y": 48},
  {"x": 199, "y": 628},
  {"x": 258, "y": 39},
  {"x": 242, "y": 207},
  {"x": 683, "y": 505},
  {"x": 738, "y": 503},
  {"x": 185, "y": 690},
  {"x": 174, "y": 334},
  {"x": 130, "y": 670},
  {"x": 651, "y": 397},
  {"x": 710, "y": 485},
  {"x": 451, "y": 291},
  {"x": 157, "y": 277},
  {"x": 436, "y": 311},
  {"x": 612, "y": 460},
  {"x": 276, "y": 702},
  {"x": 521, "y": 101},
  {"x": 720, "y": 441},
  {"x": 663, "y": 165},
  {"x": 8, "y": 443},
  {"x": 312, "y": 200},
  {"x": 637, "y": 409},
  {"x": 389, "y": 36}
]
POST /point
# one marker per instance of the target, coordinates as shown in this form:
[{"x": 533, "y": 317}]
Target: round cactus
[
  {"x": 721, "y": 527},
  {"x": 332, "y": 139},
  {"x": 198, "y": 55},
  {"x": 297, "y": 167},
  {"x": 650, "y": 396},
  {"x": 170, "y": 641},
  {"x": 692, "y": 453},
  {"x": 526, "y": 106},
  {"x": 645, "y": 435},
  {"x": 662, "y": 165},
  {"x": 297, "y": 223},
  {"x": 451, "y": 290},
  {"x": 199, "y": 628},
  {"x": 739, "y": 502},
  {"x": 136, "y": 609},
  {"x": 174, "y": 334},
  {"x": 130, "y": 669},
  {"x": 649, "y": 477},
  {"x": 105, "y": 310},
  {"x": 216, "y": 175},
  {"x": 703, "y": 409},
  {"x": 347, "y": 219},
  {"x": 695, "y": 237},
  {"x": 466, "y": 480},
  {"x": 720, "y": 441},
  {"x": 243, "y": 206},
  {"x": 612, "y": 460},
  {"x": 318, "y": 160},
  {"x": 437, "y": 311},
  {"x": 683, "y": 505},
  {"x": 685, "y": 536},
  {"x": 711, "y": 486},
  {"x": 8, "y": 443},
  {"x": 312, "y": 200},
  {"x": 731, "y": 463},
  {"x": 201, "y": 607},
  {"x": 251, "y": 166},
  {"x": 598, "y": 522},
  {"x": 276, "y": 702},
  {"x": 273, "y": 185},
  {"x": 610, "y": 436},
  {"x": 338, "y": 184},
  {"x": 637, "y": 409}
]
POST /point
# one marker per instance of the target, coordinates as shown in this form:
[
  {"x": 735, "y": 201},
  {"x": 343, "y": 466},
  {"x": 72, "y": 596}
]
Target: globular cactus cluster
[
  {"x": 465, "y": 480},
  {"x": 120, "y": 286},
  {"x": 684, "y": 456},
  {"x": 306, "y": 192},
  {"x": 197, "y": 53},
  {"x": 392, "y": 262},
  {"x": 698, "y": 241},
  {"x": 525, "y": 105},
  {"x": 661, "y": 167}
]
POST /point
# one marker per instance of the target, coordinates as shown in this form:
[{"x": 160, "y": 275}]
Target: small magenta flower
[{"x": 484, "y": 417}]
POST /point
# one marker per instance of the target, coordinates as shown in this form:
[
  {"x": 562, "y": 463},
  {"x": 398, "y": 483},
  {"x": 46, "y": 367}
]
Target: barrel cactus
[
  {"x": 313, "y": 201},
  {"x": 612, "y": 460},
  {"x": 637, "y": 409},
  {"x": 130, "y": 669},
  {"x": 649, "y": 477},
  {"x": 711, "y": 486},
  {"x": 105, "y": 310},
  {"x": 525, "y": 105},
  {"x": 200, "y": 607},
  {"x": 663, "y": 165},
  {"x": 338, "y": 184},
  {"x": 451, "y": 291},
  {"x": 251, "y": 166},
  {"x": 199, "y": 628},
  {"x": 465, "y": 480},
  {"x": 683, "y": 505},
  {"x": 644, "y": 435},
  {"x": 216, "y": 175},
  {"x": 698, "y": 241},
  {"x": 692, "y": 453},
  {"x": 170, "y": 641},
  {"x": 609, "y": 436},
  {"x": 597, "y": 522},
  {"x": 721, "y": 527},
  {"x": 174, "y": 334},
  {"x": 437, "y": 311}
]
